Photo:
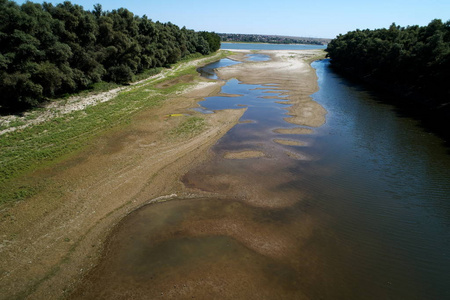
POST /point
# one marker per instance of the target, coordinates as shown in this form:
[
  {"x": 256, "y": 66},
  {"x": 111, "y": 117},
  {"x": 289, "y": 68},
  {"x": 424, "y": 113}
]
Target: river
[
  {"x": 388, "y": 195},
  {"x": 357, "y": 208},
  {"x": 378, "y": 189}
]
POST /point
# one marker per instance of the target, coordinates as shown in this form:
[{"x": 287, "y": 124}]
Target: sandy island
[
  {"x": 288, "y": 142},
  {"x": 244, "y": 154},
  {"x": 57, "y": 236}
]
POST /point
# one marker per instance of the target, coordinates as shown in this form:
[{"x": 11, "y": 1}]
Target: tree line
[
  {"x": 412, "y": 61},
  {"x": 271, "y": 39},
  {"x": 50, "y": 50}
]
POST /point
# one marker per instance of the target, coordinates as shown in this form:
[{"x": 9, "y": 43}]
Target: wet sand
[
  {"x": 59, "y": 243},
  {"x": 296, "y": 130},
  {"x": 244, "y": 154},
  {"x": 183, "y": 238},
  {"x": 288, "y": 142}
]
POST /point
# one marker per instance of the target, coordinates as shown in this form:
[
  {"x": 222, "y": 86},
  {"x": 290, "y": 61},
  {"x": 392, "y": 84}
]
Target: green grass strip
[{"x": 37, "y": 146}]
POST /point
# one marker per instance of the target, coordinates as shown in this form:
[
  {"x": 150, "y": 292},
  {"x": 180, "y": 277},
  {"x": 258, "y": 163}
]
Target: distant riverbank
[{"x": 267, "y": 46}]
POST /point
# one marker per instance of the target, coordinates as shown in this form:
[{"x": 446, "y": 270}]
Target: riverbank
[{"x": 53, "y": 238}]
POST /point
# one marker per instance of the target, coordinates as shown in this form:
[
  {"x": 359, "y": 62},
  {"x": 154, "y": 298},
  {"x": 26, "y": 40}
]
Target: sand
[
  {"x": 244, "y": 154},
  {"x": 288, "y": 142},
  {"x": 56, "y": 237},
  {"x": 295, "y": 130}
]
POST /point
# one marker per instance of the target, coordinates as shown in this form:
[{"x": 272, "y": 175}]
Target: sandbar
[
  {"x": 295, "y": 130},
  {"x": 244, "y": 154},
  {"x": 288, "y": 142}
]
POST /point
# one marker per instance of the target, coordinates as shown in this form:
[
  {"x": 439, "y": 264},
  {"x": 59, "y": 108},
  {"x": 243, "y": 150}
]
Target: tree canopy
[
  {"x": 50, "y": 50},
  {"x": 413, "y": 61}
]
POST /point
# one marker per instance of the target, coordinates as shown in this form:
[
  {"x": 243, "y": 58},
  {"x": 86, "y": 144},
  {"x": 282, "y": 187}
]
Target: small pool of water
[{"x": 208, "y": 71}]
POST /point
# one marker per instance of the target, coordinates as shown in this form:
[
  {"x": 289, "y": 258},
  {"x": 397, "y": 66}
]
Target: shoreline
[
  {"x": 431, "y": 116},
  {"x": 268, "y": 44},
  {"x": 91, "y": 192}
]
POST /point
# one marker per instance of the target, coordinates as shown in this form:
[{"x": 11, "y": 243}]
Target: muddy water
[{"x": 357, "y": 209}]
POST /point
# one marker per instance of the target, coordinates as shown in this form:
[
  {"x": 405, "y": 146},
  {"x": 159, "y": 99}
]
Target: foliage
[
  {"x": 271, "y": 39},
  {"x": 413, "y": 61},
  {"x": 212, "y": 39},
  {"x": 50, "y": 50}
]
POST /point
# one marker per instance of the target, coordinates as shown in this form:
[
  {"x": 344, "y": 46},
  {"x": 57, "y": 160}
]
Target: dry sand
[{"x": 53, "y": 239}]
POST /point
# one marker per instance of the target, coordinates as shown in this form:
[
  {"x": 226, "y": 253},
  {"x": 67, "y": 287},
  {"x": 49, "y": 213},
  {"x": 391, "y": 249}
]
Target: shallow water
[
  {"x": 257, "y": 57},
  {"x": 208, "y": 71},
  {"x": 360, "y": 210}
]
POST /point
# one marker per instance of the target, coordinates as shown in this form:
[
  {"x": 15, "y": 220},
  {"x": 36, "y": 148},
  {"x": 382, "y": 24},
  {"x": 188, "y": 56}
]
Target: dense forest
[
  {"x": 271, "y": 39},
  {"x": 50, "y": 50},
  {"x": 412, "y": 62}
]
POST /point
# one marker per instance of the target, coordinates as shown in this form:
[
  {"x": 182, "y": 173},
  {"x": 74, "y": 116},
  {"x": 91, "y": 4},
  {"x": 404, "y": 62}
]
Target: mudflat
[{"x": 58, "y": 242}]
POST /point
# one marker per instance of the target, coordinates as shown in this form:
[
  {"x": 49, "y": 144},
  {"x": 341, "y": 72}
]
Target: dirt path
[
  {"x": 53, "y": 239},
  {"x": 76, "y": 103}
]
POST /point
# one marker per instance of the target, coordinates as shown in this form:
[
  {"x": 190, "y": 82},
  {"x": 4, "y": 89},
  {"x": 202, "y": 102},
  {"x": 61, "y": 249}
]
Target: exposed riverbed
[{"x": 329, "y": 197}]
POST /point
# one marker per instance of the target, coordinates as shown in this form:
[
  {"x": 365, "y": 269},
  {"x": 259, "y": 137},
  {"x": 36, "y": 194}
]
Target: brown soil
[
  {"x": 52, "y": 240},
  {"x": 180, "y": 79}
]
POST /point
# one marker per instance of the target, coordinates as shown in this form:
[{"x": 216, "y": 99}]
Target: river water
[
  {"x": 358, "y": 208},
  {"x": 388, "y": 195}
]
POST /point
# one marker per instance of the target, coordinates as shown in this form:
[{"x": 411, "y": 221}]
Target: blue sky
[{"x": 312, "y": 18}]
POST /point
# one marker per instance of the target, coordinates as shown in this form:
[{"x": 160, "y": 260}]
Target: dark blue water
[
  {"x": 244, "y": 46},
  {"x": 388, "y": 194}
]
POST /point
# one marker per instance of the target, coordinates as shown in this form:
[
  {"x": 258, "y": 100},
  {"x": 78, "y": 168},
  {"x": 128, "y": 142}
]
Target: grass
[
  {"x": 188, "y": 127},
  {"x": 321, "y": 55},
  {"x": 24, "y": 151}
]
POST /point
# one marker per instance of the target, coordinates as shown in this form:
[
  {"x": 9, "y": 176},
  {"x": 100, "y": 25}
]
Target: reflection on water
[
  {"x": 208, "y": 71},
  {"x": 360, "y": 210}
]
